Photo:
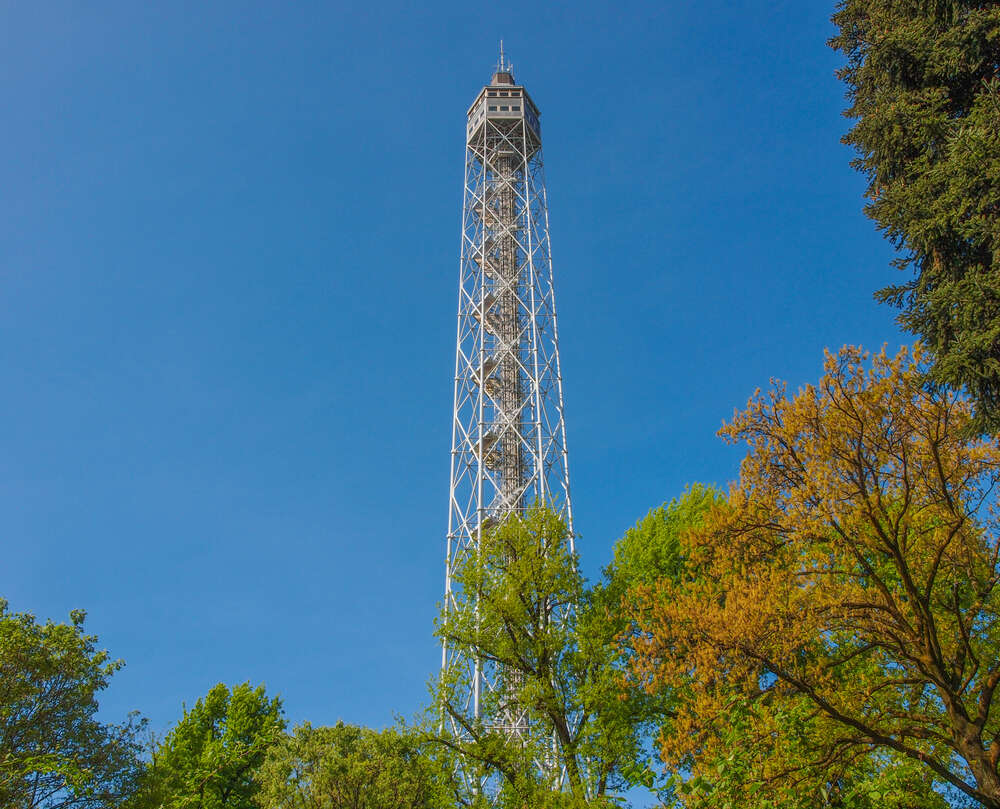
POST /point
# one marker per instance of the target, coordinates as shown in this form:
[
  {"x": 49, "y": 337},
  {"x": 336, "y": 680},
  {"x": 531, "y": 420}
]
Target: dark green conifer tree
[{"x": 923, "y": 79}]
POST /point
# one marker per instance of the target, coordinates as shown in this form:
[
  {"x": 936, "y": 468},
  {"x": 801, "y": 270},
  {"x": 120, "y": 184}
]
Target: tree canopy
[
  {"x": 923, "y": 81},
  {"x": 54, "y": 751},
  {"x": 844, "y": 598},
  {"x": 348, "y": 767},
  {"x": 210, "y": 758}
]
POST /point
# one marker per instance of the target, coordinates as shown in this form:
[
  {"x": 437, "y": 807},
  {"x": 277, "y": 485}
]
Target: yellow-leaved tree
[{"x": 845, "y": 600}]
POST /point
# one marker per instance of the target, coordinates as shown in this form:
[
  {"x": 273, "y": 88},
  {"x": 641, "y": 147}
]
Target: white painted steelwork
[{"x": 509, "y": 436}]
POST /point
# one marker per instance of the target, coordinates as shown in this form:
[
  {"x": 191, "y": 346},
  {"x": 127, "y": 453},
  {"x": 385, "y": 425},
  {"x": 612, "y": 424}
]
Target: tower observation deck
[{"x": 509, "y": 439}]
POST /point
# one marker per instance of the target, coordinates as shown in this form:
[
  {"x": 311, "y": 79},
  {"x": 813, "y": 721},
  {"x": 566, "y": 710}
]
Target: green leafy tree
[
  {"x": 533, "y": 620},
  {"x": 348, "y": 767},
  {"x": 646, "y": 553},
  {"x": 54, "y": 752},
  {"x": 923, "y": 80},
  {"x": 210, "y": 758}
]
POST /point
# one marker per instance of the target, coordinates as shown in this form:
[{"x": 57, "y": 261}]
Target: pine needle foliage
[{"x": 923, "y": 81}]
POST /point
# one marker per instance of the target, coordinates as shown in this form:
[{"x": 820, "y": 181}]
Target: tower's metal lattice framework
[{"x": 509, "y": 437}]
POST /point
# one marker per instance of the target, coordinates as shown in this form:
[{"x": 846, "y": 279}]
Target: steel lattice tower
[{"x": 509, "y": 437}]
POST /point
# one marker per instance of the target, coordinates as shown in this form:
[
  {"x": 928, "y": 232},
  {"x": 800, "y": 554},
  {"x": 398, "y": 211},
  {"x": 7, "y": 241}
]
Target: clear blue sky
[{"x": 229, "y": 242}]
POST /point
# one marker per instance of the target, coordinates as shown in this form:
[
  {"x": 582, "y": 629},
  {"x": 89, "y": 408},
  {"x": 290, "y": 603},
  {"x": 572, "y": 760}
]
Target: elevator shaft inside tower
[
  {"x": 509, "y": 402},
  {"x": 501, "y": 309}
]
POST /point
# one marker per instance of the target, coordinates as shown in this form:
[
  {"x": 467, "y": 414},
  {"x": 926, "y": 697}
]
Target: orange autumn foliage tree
[{"x": 851, "y": 579}]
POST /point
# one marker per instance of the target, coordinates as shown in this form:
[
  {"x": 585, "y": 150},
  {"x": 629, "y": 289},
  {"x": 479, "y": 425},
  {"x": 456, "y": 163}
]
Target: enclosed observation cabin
[{"x": 504, "y": 105}]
